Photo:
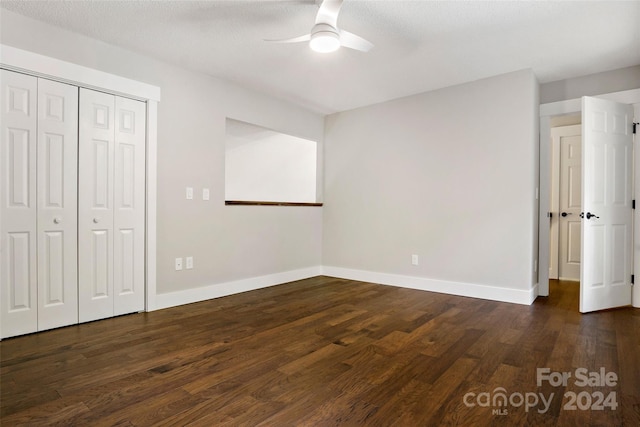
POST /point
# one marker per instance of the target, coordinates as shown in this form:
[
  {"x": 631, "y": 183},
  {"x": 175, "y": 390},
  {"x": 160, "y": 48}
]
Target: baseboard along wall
[{"x": 494, "y": 293}]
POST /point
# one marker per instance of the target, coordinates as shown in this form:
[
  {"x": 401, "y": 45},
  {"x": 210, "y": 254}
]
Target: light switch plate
[
  {"x": 178, "y": 264},
  {"x": 205, "y": 194},
  {"x": 189, "y": 262},
  {"x": 189, "y": 193}
]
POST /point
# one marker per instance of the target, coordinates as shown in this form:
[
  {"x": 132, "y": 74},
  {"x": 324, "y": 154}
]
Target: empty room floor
[{"x": 327, "y": 351}]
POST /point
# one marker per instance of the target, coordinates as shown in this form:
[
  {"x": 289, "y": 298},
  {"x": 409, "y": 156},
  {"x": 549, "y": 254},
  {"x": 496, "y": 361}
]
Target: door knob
[
  {"x": 96, "y": 220},
  {"x": 57, "y": 220},
  {"x": 590, "y": 215},
  {"x": 566, "y": 214}
]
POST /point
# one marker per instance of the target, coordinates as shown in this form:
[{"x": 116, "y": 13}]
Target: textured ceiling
[{"x": 419, "y": 45}]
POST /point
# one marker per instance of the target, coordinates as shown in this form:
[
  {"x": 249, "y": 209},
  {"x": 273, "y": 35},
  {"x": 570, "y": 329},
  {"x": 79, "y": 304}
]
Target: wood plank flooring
[{"x": 328, "y": 352}]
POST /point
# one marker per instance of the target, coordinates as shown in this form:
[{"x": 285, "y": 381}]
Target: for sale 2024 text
[
  {"x": 584, "y": 400},
  {"x": 582, "y": 377}
]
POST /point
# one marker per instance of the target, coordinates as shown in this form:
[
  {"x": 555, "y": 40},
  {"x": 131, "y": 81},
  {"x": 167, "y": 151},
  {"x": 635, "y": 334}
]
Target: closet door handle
[
  {"x": 96, "y": 220},
  {"x": 57, "y": 220}
]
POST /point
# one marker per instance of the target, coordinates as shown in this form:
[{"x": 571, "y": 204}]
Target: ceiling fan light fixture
[
  {"x": 325, "y": 36},
  {"x": 324, "y": 41}
]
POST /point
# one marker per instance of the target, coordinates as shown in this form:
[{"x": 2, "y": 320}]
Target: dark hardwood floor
[{"x": 329, "y": 352}]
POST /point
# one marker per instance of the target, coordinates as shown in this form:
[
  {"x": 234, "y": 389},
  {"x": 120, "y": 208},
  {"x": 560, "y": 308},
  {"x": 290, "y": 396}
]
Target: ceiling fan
[{"x": 325, "y": 35}]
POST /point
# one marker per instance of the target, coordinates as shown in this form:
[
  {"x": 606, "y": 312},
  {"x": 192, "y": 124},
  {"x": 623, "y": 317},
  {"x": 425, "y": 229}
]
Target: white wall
[
  {"x": 592, "y": 84},
  {"x": 228, "y": 243},
  {"x": 448, "y": 175}
]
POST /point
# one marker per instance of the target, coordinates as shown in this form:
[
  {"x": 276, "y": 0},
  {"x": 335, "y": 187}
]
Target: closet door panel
[
  {"x": 57, "y": 189},
  {"x": 18, "y": 274},
  {"x": 95, "y": 205},
  {"x": 129, "y": 206}
]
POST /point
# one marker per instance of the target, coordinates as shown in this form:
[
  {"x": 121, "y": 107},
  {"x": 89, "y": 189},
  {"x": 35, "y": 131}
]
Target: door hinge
[
  {"x": 632, "y": 278},
  {"x": 635, "y": 127},
  {"x": 633, "y": 204},
  {"x": 550, "y": 215}
]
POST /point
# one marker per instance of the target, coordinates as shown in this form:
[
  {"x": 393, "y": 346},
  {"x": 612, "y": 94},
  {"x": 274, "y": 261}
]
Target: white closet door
[
  {"x": 18, "y": 119},
  {"x": 129, "y": 206},
  {"x": 57, "y": 188},
  {"x": 95, "y": 205}
]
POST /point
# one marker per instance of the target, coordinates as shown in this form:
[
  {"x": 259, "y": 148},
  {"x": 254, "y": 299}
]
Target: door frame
[
  {"x": 561, "y": 108},
  {"x": 37, "y": 65}
]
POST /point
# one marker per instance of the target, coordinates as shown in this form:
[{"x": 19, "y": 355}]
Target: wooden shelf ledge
[{"x": 259, "y": 203}]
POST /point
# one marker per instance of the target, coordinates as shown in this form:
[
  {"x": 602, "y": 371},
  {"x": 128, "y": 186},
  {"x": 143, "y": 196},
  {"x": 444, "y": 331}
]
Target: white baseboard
[
  {"x": 188, "y": 296},
  {"x": 217, "y": 290},
  {"x": 493, "y": 293}
]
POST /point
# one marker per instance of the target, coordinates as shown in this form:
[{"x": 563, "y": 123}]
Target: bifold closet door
[
  {"x": 18, "y": 213},
  {"x": 95, "y": 205},
  {"x": 129, "y": 206},
  {"x": 38, "y": 213},
  {"x": 111, "y": 205},
  {"x": 57, "y": 202}
]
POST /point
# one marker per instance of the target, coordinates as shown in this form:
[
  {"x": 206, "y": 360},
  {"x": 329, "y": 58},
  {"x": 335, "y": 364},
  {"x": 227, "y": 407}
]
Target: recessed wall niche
[{"x": 263, "y": 166}]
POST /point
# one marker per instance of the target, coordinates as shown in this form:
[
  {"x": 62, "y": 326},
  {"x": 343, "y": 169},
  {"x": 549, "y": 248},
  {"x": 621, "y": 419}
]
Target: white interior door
[
  {"x": 18, "y": 213},
  {"x": 562, "y": 198},
  {"x": 129, "y": 206},
  {"x": 57, "y": 189},
  {"x": 95, "y": 205},
  {"x": 570, "y": 206},
  {"x": 605, "y": 275}
]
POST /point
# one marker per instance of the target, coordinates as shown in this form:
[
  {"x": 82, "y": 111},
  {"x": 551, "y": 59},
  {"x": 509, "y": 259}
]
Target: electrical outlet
[
  {"x": 414, "y": 259},
  {"x": 189, "y": 262},
  {"x": 189, "y": 193},
  {"x": 178, "y": 264}
]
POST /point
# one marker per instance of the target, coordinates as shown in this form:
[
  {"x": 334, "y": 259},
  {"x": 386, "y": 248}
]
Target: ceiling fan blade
[
  {"x": 328, "y": 13},
  {"x": 304, "y": 38},
  {"x": 353, "y": 41}
]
